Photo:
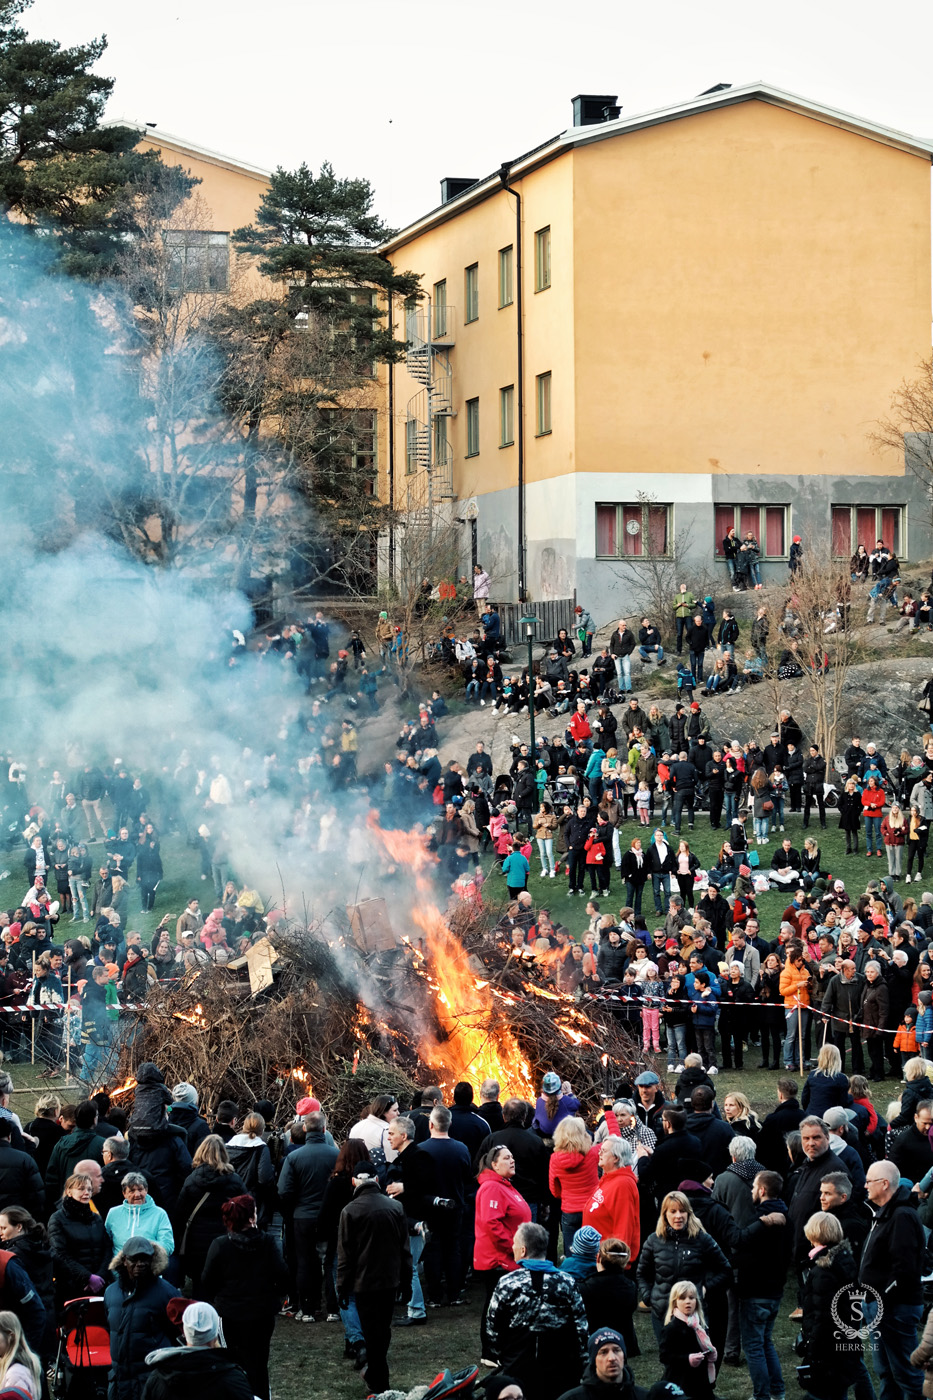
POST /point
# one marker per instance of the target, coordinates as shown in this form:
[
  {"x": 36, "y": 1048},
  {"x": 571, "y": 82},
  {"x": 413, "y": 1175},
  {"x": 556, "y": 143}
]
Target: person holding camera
[{"x": 453, "y": 1177}]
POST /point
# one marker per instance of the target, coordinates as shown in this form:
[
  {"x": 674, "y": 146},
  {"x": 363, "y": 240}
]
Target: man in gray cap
[
  {"x": 650, "y": 1100},
  {"x": 203, "y": 1366}
]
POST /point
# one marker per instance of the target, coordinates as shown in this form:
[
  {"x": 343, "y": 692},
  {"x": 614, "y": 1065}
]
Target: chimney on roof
[
  {"x": 717, "y": 87},
  {"x": 451, "y": 186},
  {"x": 590, "y": 110}
]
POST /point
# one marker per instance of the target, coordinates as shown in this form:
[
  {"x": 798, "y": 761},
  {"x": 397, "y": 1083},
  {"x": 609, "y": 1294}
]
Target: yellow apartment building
[{"x": 667, "y": 324}]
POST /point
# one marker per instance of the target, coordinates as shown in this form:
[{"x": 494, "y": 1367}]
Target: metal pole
[
  {"x": 531, "y": 703},
  {"x": 800, "y": 1032}
]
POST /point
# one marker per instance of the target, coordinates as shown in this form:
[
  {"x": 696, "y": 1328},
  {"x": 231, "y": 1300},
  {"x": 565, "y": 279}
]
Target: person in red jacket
[
  {"x": 872, "y": 808},
  {"x": 579, "y": 725},
  {"x": 500, "y": 1209},
  {"x": 573, "y": 1174},
  {"x": 613, "y": 1208}
]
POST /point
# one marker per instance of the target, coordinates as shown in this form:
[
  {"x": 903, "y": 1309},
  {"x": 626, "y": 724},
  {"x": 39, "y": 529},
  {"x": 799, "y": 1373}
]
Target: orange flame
[
  {"x": 124, "y": 1088},
  {"x": 464, "y": 1002}
]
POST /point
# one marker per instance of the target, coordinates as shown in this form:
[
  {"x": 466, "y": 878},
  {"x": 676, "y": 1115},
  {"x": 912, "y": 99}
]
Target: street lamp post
[{"x": 530, "y": 623}]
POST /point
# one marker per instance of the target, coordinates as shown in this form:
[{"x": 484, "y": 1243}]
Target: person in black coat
[
  {"x": 163, "y": 1154},
  {"x": 833, "y": 1362},
  {"x": 198, "y": 1214},
  {"x": 772, "y": 1150},
  {"x": 20, "y": 1182},
  {"x": 148, "y": 872},
  {"x": 46, "y": 1127},
  {"x": 713, "y": 1133},
  {"x": 609, "y": 1296},
  {"x": 662, "y": 1171},
  {"x": 79, "y": 1243},
  {"x": 814, "y": 777},
  {"x": 683, "y": 1339},
  {"x": 184, "y": 1114},
  {"x": 245, "y": 1278},
  {"x": 27, "y": 1239}
]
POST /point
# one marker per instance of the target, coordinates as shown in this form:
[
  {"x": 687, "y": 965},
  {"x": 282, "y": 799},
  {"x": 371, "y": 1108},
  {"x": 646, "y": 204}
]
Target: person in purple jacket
[{"x": 555, "y": 1103}]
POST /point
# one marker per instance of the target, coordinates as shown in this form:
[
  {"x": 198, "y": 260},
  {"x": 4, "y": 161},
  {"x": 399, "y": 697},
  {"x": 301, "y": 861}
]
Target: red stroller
[{"x": 83, "y": 1364}]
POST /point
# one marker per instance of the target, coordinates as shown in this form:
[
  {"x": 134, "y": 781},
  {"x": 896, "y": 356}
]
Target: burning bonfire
[{"x": 358, "y": 1007}]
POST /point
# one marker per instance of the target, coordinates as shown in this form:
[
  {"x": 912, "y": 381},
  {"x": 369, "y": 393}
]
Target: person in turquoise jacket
[
  {"x": 593, "y": 773},
  {"x": 138, "y": 1215},
  {"x": 515, "y": 868}
]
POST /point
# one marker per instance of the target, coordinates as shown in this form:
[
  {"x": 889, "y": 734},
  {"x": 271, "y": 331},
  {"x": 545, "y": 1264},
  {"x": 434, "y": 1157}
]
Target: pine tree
[
  {"x": 300, "y": 362},
  {"x": 61, "y": 170}
]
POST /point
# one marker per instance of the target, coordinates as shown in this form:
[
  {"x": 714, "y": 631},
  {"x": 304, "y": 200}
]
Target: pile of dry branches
[{"x": 311, "y": 1033}]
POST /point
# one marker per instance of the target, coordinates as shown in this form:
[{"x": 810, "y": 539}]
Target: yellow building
[{"x": 716, "y": 302}]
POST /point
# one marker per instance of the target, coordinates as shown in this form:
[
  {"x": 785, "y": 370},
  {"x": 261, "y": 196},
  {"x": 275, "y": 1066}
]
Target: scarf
[{"x": 703, "y": 1342}]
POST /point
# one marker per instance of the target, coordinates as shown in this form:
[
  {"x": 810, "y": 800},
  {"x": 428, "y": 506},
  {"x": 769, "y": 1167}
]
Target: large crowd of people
[{"x": 562, "y": 1220}]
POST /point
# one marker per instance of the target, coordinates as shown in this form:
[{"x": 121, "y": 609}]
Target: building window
[
  {"x": 411, "y": 446},
  {"x": 543, "y": 400},
  {"x": 440, "y": 309},
  {"x": 472, "y": 427},
  {"x": 855, "y": 525},
  {"x": 505, "y": 277},
  {"x": 198, "y": 261},
  {"x": 542, "y": 259},
  {"x": 440, "y": 454},
  {"x": 471, "y": 293},
  {"x": 633, "y": 531},
  {"x": 767, "y": 523},
  {"x": 507, "y": 416}
]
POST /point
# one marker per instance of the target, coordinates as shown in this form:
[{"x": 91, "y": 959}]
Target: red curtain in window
[
  {"x": 632, "y": 543},
  {"x": 842, "y": 532},
  {"x": 891, "y": 528},
  {"x": 657, "y": 529},
  {"x": 606, "y": 542},
  {"x": 725, "y": 519},
  {"x": 750, "y": 518},
  {"x": 774, "y": 532},
  {"x": 865, "y": 527}
]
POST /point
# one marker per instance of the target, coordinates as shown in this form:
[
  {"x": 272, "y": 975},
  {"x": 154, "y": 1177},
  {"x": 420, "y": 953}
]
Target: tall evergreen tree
[
  {"x": 61, "y": 170},
  {"x": 300, "y": 362}
]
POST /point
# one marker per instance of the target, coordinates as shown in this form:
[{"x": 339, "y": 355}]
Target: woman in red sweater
[
  {"x": 573, "y": 1174},
  {"x": 500, "y": 1209}
]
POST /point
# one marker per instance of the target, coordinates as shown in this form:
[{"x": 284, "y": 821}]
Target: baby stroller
[{"x": 83, "y": 1363}]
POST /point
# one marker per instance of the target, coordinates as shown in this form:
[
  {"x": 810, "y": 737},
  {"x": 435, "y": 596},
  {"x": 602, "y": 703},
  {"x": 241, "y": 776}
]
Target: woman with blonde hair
[
  {"x": 198, "y": 1215},
  {"x": 573, "y": 1174},
  {"x": 740, "y": 1115},
  {"x": 834, "y": 1362},
  {"x": 20, "y": 1371},
  {"x": 894, "y": 836},
  {"x": 679, "y": 1249},
  {"x": 685, "y": 1349},
  {"x": 826, "y": 1086}
]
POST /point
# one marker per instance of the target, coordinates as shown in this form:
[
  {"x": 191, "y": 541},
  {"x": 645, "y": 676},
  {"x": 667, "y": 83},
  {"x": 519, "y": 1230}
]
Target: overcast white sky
[{"x": 406, "y": 93}]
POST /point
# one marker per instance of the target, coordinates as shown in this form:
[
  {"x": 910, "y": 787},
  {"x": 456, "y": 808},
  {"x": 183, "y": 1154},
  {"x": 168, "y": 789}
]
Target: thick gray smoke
[{"x": 103, "y": 656}]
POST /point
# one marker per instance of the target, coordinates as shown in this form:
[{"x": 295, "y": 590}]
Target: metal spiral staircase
[{"x": 429, "y": 458}]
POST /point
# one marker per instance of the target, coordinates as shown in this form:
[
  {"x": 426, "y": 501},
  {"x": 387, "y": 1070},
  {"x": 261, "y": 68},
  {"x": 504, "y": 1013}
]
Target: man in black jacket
[
  {"x": 523, "y": 793},
  {"x": 184, "y": 1114},
  {"x": 891, "y": 1266},
  {"x": 760, "y": 1261},
  {"x": 854, "y": 1217},
  {"x": 373, "y": 1264},
  {"x": 684, "y": 781},
  {"x": 678, "y": 730},
  {"x": 715, "y": 777},
  {"x": 775, "y": 753},
  {"x": 793, "y": 772},
  {"x": 302, "y": 1183},
  {"x": 697, "y": 637},
  {"x": 841, "y": 1001},
  {"x": 621, "y": 646},
  {"x": 814, "y": 776},
  {"x": 410, "y": 1181},
  {"x": 713, "y": 1133},
  {"x": 714, "y": 908},
  {"x": 821, "y": 1160},
  {"x": 663, "y": 1170},
  {"x": 911, "y": 1152},
  {"x": 576, "y": 831}
]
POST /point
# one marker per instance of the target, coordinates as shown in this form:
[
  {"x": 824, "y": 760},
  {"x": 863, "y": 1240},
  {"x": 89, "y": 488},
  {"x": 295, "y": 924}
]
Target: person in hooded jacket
[
  {"x": 246, "y": 1280},
  {"x": 252, "y": 1161},
  {"x": 198, "y": 1212},
  {"x": 500, "y": 1209},
  {"x": 79, "y": 1244},
  {"x": 136, "y": 1313},
  {"x": 138, "y": 1215},
  {"x": 203, "y": 1366},
  {"x": 184, "y": 1114},
  {"x": 27, "y": 1239}
]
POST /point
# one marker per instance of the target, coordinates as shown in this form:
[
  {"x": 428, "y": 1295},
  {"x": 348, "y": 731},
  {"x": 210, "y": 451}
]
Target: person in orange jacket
[
  {"x": 795, "y": 989},
  {"x": 500, "y": 1209}
]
